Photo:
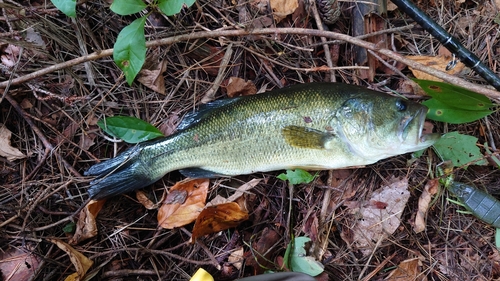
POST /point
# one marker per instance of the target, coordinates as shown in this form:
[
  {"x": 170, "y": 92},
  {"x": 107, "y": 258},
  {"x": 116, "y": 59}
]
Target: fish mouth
[
  {"x": 425, "y": 138},
  {"x": 422, "y": 138}
]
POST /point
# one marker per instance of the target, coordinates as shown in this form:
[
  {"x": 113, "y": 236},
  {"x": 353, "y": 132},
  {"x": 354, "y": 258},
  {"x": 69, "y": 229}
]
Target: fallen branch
[{"x": 267, "y": 31}]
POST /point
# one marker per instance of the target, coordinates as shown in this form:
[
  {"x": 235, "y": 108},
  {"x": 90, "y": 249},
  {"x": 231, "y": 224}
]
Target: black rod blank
[{"x": 450, "y": 42}]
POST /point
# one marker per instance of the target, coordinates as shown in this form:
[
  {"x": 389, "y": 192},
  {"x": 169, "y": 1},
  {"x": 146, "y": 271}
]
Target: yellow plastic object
[{"x": 201, "y": 275}]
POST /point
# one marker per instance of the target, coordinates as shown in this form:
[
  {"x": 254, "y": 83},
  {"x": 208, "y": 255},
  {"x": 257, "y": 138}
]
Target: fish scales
[
  {"x": 310, "y": 126},
  {"x": 252, "y": 142}
]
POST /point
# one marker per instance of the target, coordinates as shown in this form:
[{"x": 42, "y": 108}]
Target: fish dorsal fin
[
  {"x": 305, "y": 137},
  {"x": 194, "y": 117}
]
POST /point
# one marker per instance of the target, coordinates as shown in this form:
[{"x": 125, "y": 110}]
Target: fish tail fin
[{"x": 124, "y": 173}]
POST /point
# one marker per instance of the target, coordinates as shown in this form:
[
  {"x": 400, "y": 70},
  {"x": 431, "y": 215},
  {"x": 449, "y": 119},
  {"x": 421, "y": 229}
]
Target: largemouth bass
[{"x": 311, "y": 126}]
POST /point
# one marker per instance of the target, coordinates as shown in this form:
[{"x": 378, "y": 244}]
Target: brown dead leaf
[
  {"x": 87, "y": 140},
  {"x": 322, "y": 277},
  {"x": 259, "y": 257},
  {"x": 430, "y": 189},
  {"x": 438, "y": 62},
  {"x": 283, "y": 8},
  {"x": 17, "y": 265},
  {"x": 237, "y": 194},
  {"x": 183, "y": 204},
  {"x": 217, "y": 218},
  {"x": 169, "y": 126},
  {"x": 26, "y": 104},
  {"x": 87, "y": 227},
  {"x": 6, "y": 150},
  {"x": 239, "y": 87},
  {"x": 311, "y": 226},
  {"x": 428, "y": 128},
  {"x": 151, "y": 76},
  {"x": 236, "y": 258},
  {"x": 9, "y": 55},
  {"x": 391, "y": 6},
  {"x": 262, "y": 22},
  {"x": 377, "y": 223},
  {"x": 410, "y": 86},
  {"x": 261, "y": 6},
  {"x": 407, "y": 270},
  {"x": 144, "y": 200},
  {"x": 34, "y": 37},
  {"x": 208, "y": 57},
  {"x": 81, "y": 262},
  {"x": 494, "y": 258},
  {"x": 68, "y": 134},
  {"x": 444, "y": 52},
  {"x": 300, "y": 15}
]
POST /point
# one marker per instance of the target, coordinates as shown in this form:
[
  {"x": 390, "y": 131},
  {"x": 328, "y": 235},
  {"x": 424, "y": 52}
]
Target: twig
[
  {"x": 210, "y": 94},
  {"x": 263, "y": 31},
  {"x": 211, "y": 256},
  {"x": 68, "y": 218},
  {"x": 42, "y": 196},
  {"x": 48, "y": 146},
  {"x": 328, "y": 55},
  {"x": 83, "y": 50},
  {"x": 156, "y": 252},
  {"x": 131, "y": 272},
  {"x": 379, "y": 267},
  {"x": 309, "y": 69},
  {"x": 391, "y": 67},
  {"x": 11, "y": 73}
]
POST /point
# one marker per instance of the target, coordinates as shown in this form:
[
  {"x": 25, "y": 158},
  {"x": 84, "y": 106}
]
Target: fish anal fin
[
  {"x": 199, "y": 173},
  {"x": 305, "y": 137}
]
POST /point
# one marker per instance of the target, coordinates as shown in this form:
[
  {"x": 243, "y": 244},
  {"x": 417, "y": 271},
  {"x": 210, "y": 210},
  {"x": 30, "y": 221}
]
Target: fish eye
[{"x": 401, "y": 105}]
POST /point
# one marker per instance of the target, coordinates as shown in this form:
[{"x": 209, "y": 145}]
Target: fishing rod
[{"x": 450, "y": 42}]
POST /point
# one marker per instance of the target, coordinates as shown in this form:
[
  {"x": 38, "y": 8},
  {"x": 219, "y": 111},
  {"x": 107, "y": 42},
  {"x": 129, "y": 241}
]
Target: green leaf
[
  {"x": 460, "y": 149},
  {"x": 172, "y": 7},
  {"x": 69, "y": 228},
  {"x": 497, "y": 18},
  {"x": 297, "y": 176},
  {"x": 129, "y": 129},
  {"x": 130, "y": 49},
  {"x": 442, "y": 112},
  {"x": 298, "y": 259},
  {"x": 454, "y": 96},
  {"x": 68, "y": 7},
  {"x": 127, "y": 7},
  {"x": 418, "y": 153}
]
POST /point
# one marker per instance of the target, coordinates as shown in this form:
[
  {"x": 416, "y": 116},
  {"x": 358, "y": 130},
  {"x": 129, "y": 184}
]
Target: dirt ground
[{"x": 52, "y": 117}]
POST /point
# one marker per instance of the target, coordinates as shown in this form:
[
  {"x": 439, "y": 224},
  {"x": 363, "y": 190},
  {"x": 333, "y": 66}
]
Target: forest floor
[{"x": 49, "y": 137}]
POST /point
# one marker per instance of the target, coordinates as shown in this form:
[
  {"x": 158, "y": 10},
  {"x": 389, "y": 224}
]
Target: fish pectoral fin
[
  {"x": 199, "y": 173},
  {"x": 305, "y": 137}
]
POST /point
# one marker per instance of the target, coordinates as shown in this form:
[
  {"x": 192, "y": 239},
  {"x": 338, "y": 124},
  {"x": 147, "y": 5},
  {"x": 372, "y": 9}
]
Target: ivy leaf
[
  {"x": 442, "y": 112},
  {"x": 172, "y": 7},
  {"x": 129, "y": 129},
  {"x": 127, "y": 7},
  {"x": 297, "y": 176},
  {"x": 68, "y": 7},
  {"x": 454, "y": 96},
  {"x": 460, "y": 149},
  {"x": 130, "y": 49},
  {"x": 297, "y": 258}
]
